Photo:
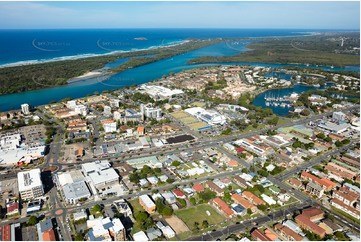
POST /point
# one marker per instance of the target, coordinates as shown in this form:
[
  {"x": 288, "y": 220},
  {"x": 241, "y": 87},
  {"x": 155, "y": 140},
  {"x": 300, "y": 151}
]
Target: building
[
  {"x": 339, "y": 116},
  {"x": 45, "y": 230},
  {"x": 107, "y": 111},
  {"x": 253, "y": 198},
  {"x": 210, "y": 117},
  {"x": 30, "y": 184},
  {"x": 114, "y": 103},
  {"x": 288, "y": 233},
  {"x": 151, "y": 161},
  {"x": 336, "y": 128},
  {"x": 305, "y": 223},
  {"x": 243, "y": 202},
  {"x": 109, "y": 126},
  {"x": 346, "y": 196},
  {"x": 168, "y": 232},
  {"x": 314, "y": 214},
  {"x": 140, "y": 236},
  {"x": 198, "y": 187},
  {"x": 214, "y": 188},
  {"x": 315, "y": 189},
  {"x": 147, "y": 204},
  {"x": 323, "y": 182},
  {"x": 346, "y": 208},
  {"x": 222, "y": 206},
  {"x": 106, "y": 229},
  {"x": 25, "y": 109},
  {"x": 259, "y": 236},
  {"x": 73, "y": 186},
  {"x": 150, "y": 112},
  {"x": 100, "y": 176},
  {"x": 123, "y": 207}
]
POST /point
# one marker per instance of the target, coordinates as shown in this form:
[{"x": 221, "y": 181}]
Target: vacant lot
[
  {"x": 177, "y": 224},
  {"x": 199, "y": 214},
  {"x": 136, "y": 207}
]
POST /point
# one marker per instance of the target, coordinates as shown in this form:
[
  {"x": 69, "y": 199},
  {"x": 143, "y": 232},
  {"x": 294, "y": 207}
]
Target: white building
[
  {"x": 114, "y": 103},
  {"x": 161, "y": 93},
  {"x": 107, "y": 111},
  {"x": 140, "y": 236},
  {"x": 109, "y": 126},
  {"x": 117, "y": 115},
  {"x": 105, "y": 229},
  {"x": 211, "y": 117},
  {"x": 25, "y": 108},
  {"x": 81, "y": 109},
  {"x": 339, "y": 116},
  {"x": 168, "y": 232},
  {"x": 30, "y": 184},
  {"x": 150, "y": 112},
  {"x": 100, "y": 175}
]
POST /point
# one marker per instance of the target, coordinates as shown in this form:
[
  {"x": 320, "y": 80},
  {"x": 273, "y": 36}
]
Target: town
[{"x": 189, "y": 156}]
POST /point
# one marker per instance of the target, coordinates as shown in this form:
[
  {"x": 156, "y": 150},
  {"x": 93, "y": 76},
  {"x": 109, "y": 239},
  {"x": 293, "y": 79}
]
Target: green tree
[
  {"x": 79, "y": 237},
  {"x": 176, "y": 163},
  {"x": 167, "y": 211},
  {"x": 249, "y": 211},
  {"x": 32, "y": 220},
  {"x": 193, "y": 201},
  {"x": 205, "y": 224}
]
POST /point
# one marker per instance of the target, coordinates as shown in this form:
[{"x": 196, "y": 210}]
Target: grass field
[
  {"x": 136, "y": 206},
  {"x": 198, "y": 214}
]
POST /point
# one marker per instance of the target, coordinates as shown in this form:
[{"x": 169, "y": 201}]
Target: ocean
[
  {"x": 33, "y": 46},
  {"x": 17, "y": 47}
]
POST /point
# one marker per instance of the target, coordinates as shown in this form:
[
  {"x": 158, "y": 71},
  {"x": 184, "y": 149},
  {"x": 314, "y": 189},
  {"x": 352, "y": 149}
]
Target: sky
[{"x": 296, "y": 15}]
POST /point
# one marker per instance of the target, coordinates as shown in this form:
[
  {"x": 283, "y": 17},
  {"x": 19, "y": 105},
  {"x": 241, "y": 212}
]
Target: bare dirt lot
[{"x": 177, "y": 224}]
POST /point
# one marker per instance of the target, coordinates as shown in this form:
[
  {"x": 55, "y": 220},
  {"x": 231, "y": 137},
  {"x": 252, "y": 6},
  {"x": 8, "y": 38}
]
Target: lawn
[
  {"x": 136, "y": 206},
  {"x": 198, "y": 214}
]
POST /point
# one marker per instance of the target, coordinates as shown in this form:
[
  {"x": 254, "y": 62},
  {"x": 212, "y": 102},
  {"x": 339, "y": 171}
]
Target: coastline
[{"x": 89, "y": 55}]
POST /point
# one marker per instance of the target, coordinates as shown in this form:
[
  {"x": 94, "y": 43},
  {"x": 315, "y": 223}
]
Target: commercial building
[
  {"x": 160, "y": 93},
  {"x": 339, "y": 116},
  {"x": 73, "y": 186},
  {"x": 151, "y": 161},
  {"x": 210, "y": 117},
  {"x": 334, "y": 127},
  {"x": 147, "y": 204},
  {"x": 30, "y": 184}
]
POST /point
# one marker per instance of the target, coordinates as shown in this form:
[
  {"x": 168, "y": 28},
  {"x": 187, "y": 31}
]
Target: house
[
  {"x": 243, "y": 202},
  {"x": 153, "y": 180},
  {"x": 12, "y": 208},
  {"x": 222, "y": 206},
  {"x": 240, "y": 181},
  {"x": 323, "y": 182},
  {"x": 271, "y": 235},
  {"x": 214, "y": 188},
  {"x": 147, "y": 203},
  {"x": 305, "y": 223},
  {"x": 346, "y": 208},
  {"x": 253, "y": 198},
  {"x": 140, "y": 130},
  {"x": 314, "y": 214},
  {"x": 123, "y": 207},
  {"x": 259, "y": 236},
  {"x": 178, "y": 194},
  {"x": 168, "y": 232},
  {"x": 198, "y": 187},
  {"x": 45, "y": 229},
  {"x": 153, "y": 233},
  {"x": 288, "y": 233},
  {"x": 169, "y": 197},
  {"x": 268, "y": 199},
  {"x": 140, "y": 236},
  {"x": 346, "y": 196},
  {"x": 238, "y": 209}
]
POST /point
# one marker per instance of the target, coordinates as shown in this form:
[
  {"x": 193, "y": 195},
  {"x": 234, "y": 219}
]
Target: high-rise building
[
  {"x": 25, "y": 108},
  {"x": 149, "y": 111},
  {"x": 107, "y": 110},
  {"x": 30, "y": 184}
]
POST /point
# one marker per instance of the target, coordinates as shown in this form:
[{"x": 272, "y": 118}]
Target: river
[{"x": 129, "y": 77}]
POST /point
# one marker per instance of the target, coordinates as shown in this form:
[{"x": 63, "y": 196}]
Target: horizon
[{"x": 179, "y": 15}]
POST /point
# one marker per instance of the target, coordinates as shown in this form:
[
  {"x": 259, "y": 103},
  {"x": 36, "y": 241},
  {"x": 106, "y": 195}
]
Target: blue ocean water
[
  {"x": 17, "y": 46},
  {"x": 31, "y": 46}
]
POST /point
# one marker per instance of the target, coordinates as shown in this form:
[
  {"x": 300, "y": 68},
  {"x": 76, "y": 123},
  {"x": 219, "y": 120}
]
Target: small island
[{"x": 140, "y": 38}]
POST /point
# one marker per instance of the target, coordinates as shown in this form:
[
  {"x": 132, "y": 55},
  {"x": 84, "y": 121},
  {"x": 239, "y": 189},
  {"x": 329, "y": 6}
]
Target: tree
[
  {"x": 141, "y": 216},
  {"x": 176, "y": 163},
  {"x": 182, "y": 202},
  {"x": 96, "y": 209},
  {"x": 32, "y": 220},
  {"x": 167, "y": 211},
  {"x": 79, "y": 237},
  {"x": 262, "y": 207},
  {"x": 205, "y": 224},
  {"x": 263, "y": 173},
  {"x": 193, "y": 201},
  {"x": 249, "y": 211},
  {"x": 321, "y": 136}
]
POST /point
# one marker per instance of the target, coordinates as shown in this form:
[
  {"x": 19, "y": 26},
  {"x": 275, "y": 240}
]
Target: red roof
[
  {"x": 322, "y": 182},
  {"x": 313, "y": 213},
  {"x": 305, "y": 222},
  {"x": 198, "y": 187},
  {"x": 250, "y": 196},
  {"x": 49, "y": 235},
  {"x": 259, "y": 235},
  {"x": 223, "y": 206},
  {"x": 239, "y": 150},
  {"x": 178, "y": 193},
  {"x": 6, "y": 233},
  {"x": 12, "y": 207}
]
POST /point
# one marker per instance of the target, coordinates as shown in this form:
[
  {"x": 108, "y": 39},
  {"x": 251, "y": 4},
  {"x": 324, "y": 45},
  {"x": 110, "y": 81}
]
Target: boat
[
  {"x": 267, "y": 104},
  {"x": 316, "y": 85}
]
